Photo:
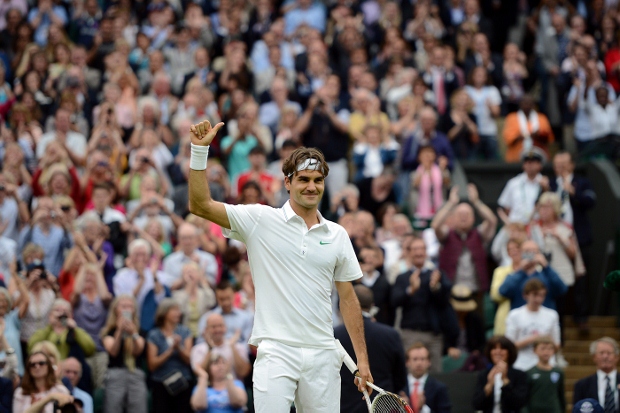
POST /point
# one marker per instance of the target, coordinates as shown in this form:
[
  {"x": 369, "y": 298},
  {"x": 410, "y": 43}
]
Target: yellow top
[{"x": 499, "y": 275}]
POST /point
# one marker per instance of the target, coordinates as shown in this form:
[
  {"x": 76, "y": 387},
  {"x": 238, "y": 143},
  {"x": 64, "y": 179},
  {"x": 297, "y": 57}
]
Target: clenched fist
[{"x": 202, "y": 134}]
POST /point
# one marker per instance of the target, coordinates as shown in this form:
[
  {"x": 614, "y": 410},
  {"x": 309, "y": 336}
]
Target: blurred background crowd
[{"x": 110, "y": 284}]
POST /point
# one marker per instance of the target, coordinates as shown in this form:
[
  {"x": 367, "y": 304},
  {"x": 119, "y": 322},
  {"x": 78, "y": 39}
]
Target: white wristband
[{"x": 198, "y": 158}]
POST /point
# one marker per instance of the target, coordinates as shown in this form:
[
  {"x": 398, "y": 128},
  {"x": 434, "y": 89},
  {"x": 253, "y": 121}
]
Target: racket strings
[{"x": 388, "y": 403}]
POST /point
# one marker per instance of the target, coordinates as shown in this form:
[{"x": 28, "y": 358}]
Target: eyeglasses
[{"x": 37, "y": 363}]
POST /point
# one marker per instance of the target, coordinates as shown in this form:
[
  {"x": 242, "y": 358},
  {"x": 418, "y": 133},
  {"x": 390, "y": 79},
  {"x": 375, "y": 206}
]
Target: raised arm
[
  {"x": 441, "y": 231},
  {"x": 489, "y": 220},
  {"x": 200, "y": 201}
]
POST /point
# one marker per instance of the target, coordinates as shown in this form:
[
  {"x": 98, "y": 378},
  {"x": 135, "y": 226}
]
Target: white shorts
[{"x": 308, "y": 376}]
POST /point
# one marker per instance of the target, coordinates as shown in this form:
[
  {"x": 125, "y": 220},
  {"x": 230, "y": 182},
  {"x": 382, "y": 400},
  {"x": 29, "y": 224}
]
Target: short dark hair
[
  {"x": 416, "y": 346},
  {"x": 503, "y": 343},
  {"x": 289, "y": 167},
  {"x": 364, "y": 296},
  {"x": 103, "y": 185},
  {"x": 223, "y": 285}
]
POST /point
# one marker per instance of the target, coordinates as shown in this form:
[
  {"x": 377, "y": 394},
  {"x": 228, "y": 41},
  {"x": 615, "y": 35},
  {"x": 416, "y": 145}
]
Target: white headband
[{"x": 310, "y": 164}]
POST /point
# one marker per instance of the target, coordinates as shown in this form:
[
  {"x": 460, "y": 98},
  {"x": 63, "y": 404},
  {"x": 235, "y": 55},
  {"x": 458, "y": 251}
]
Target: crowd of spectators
[{"x": 108, "y": 283}]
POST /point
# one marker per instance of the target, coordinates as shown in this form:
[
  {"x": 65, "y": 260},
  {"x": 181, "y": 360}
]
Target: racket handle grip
[{"x": 348, "y": 361}]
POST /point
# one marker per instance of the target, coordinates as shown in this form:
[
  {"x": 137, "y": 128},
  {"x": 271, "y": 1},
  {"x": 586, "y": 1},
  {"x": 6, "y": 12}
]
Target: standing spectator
[
  {"x": 525, "y": 129},
  {"x": 376, "y": 150},
  {"x": 43, "y": 16},
  {"x": 168, "y": 356},
  {"x": 370, "y": 259},
  {"x": 463, "y": 251},
  {"x": 459, "y": 125},
  {"x": 471, "y": 326},
  {"x": 500, "y": 387},
  {"x": 533, "y": 265},
  {"x": 524, "y": 325},
  {"x": 269, "y": 112},
  {"x": 13, "y": 210},
  {"x": 428, "y": 182},
  {"x": 259, "y": 174},
  {"x": 514, "y": 75},
  {"x": 545, "y": 381},
  {"x": 499, "y": 276},
  {"x": 73, "y": 142},
  {"x": 425, "y": 393},
  {"x": 424, "y": 294},
  {"x": 385, "y": 355},
  {"x": 487, "y": 102},
  {"x": 305, "y": 11},
  {"x": 440, "y": 79},
  {"x": 39, "y": 388},
  {"x": 125, "y": 384},
  {"x": 518, "y": 198},
  {"x": 601, "y": 386}
]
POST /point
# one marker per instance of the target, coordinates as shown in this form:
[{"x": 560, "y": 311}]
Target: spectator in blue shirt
[
  {"x": 533, "y": 264},
  {"x": 304, "y": 11},
  {"x": 43, "y": 16}
]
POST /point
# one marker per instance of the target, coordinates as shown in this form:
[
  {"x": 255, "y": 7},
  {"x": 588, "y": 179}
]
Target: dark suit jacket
[
  {"x": 387, "y": 363},
  {"x": 583, "y": 200},
  {"x": 6, "y": 395},
  {"x": 586, "y": 388},
  {"x": 514, "y": 395},
  {"x": 436, "y": 395}
]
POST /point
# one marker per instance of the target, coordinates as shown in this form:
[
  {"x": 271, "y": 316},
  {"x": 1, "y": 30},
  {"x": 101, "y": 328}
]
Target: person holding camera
[
  {"x": 49, "y": 228},
  {"x": 42, "y": 290},
  {"x": 125, "y": 384},
  {"x": 141, "y": 164},
  {"x": 533, "y": 265},
  {"x": 40, "y": 391},
  {"x": 63, "y": 331}
]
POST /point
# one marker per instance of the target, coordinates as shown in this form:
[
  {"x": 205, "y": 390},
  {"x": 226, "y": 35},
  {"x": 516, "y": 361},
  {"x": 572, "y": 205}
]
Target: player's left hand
[{"x": 364, "y": 376}]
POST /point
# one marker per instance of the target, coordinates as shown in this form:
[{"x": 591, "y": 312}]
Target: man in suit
[
  {"x": 603, "y": 385},
  {"x": 578, "y": 198},
  {"x": 424, "y": 293},
  {"x": 426, "y": 394},
  {"x": 385, "y": 356}
]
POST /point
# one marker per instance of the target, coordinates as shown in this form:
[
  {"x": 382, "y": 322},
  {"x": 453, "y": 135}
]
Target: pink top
[{"x": 430, "y": 197}]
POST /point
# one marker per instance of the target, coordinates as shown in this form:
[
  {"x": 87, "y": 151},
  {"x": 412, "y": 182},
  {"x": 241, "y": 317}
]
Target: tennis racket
[{"x": 384, "y": 402}]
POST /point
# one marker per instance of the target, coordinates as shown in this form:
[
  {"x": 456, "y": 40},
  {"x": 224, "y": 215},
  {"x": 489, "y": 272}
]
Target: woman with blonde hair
[
  {"x": 125, "y": 383},
  {"x": 40, "y": 388},
  {"x": 90, "y": 300},
  {"x": 51, "y": 351},
  {"x": 196, "y": 296}
]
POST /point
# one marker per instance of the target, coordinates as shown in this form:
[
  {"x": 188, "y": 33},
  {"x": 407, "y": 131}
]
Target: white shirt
[
  {"x": 173, "y": 266},
  {"x": 583, "y": 129},
  {"x": 522, "y": 323},
  {"x": 486, "y": 123},
  {"x": 9, "y": 215},
  {"x": 199, "y": 351},
  {"x": 293, "y": 269},
  {"x": 111, "y": 215},
  {"x": 75, "y": 141},
  {"x": 567, "y": 210},
  {"x": 126, "y": 280},
  {"x": 411, "y": 383},
  {"x": 520, "y": 195},
  {"x": 602, "y": 386}
]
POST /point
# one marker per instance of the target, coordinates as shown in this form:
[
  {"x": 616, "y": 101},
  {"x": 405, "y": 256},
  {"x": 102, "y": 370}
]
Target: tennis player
[{"x": 295, "y": 256}]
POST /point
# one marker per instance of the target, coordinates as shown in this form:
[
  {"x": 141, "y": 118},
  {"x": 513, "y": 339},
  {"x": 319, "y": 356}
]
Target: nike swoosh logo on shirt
[{"x": 324, "y": 243}]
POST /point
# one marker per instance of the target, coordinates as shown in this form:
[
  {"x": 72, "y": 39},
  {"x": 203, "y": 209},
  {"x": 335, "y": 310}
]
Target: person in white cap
[{"x": 296, "y": 256}]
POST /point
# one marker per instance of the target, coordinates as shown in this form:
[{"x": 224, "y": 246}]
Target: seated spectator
[
  {"x": 153, "y": 206},
  {"x": 307, "y": 11},
  {"x": 426, "y": 196},
  {"x": 519, "y": 196},
  {"x": 188, "y": 251},
  {"x": 545, "y": 382},
  {"x": 141, "y": 281},
  {"x": 373, "y": 150},
  {"x": 602, "y": 385},
  {"x": 423, "y": 292},
  {"x": 96, "y": 235},
  {"x": 425, "y": 393},
  {"x": 500, "y": 387},
  {"x": 271, "y": 112},
  {"x": 9, "y": 337},
  {"x": 463, "y": 250},
  {"x": 487, "y": 101},
  {"x": 367, "y": 112},
  {"x": 499, "y": 276},
  {"x": 141, "y": 164},
  {"x": 216, "y": 343},
  {"x": 261, "y": 132},
  {"x": 236, "y": 319},
  {"x": 195, "y": 297},
  {"x": 236, "y": 148},
  {"x": 39, "y": 388},
  {"x": 74, "y": 143},
  {"x": 525, "y": 129},
  {"x": 125, "y": 383},
  {"x": 168, "y": 353},
  {"x": 223, "y": 392},
  {"x": 72, "y": 370},
  {"x": 64, "y": 332},
  {"x": 533, "y": 265},
  {"x": 509, "y": 231},
  {"x": 525, "y": 324},
  {"x": 90, "y": 300},
  {"x": 13, "y": 210},
  {"x": 77, "y": 256}
]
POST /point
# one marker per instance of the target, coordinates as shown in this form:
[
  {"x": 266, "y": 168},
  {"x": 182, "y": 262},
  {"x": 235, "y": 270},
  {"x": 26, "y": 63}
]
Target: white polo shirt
[
  {"x": 520, "y": 195},
  {"x": 293, "y": 269}
]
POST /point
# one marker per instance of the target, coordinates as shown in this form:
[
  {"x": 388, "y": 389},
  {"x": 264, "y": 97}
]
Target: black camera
[
  {"x": 2, "y": 187},
  {"x": 36, "y": 265},
  {"x": 145, "y": 159},
  {"x": 65, "y": 208}
]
